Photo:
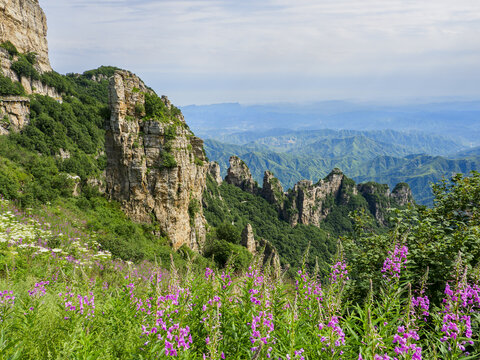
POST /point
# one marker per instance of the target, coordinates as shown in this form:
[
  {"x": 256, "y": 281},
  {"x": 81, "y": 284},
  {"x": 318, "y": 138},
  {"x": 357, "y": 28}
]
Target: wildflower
[{"x": 394, "y": 263}]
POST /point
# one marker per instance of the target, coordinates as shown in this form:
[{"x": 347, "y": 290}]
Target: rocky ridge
[
  {"x": 155, "y": 168},
  {"x": 310, "y": 204}
]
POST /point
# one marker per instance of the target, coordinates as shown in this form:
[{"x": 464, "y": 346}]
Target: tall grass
[{"x": 73, "y": 301}]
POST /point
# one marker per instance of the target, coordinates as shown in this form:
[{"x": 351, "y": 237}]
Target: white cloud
[{"x": 257, "y": 43}]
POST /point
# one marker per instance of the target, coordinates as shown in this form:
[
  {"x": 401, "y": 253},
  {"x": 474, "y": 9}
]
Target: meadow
[{"x": 63, "y": 297}]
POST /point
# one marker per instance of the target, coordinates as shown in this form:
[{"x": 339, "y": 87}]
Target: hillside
[{"x": 120, "y": 240}]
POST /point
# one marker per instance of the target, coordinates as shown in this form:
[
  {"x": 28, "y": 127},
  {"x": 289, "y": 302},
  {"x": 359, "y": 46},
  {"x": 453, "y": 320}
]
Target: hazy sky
[{"x": 256, "y": 51}]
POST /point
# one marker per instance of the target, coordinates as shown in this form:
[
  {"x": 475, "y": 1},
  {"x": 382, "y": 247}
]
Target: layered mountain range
[
  {"x": 138, "y": 151},
  {"x": 384, "y": 156}
]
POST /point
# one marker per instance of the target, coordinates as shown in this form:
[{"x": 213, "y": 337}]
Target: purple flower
[{"x": 394, "y": 263}]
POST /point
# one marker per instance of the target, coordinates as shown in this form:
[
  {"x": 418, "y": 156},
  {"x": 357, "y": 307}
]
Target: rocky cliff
[
  {"x": 14, "y": 113},
  {"x": 23, "y": 23},
  {"x": 31, "y": 86},
  {"x": 155, "y": 165},
  {"x": 379, "y": 197},
  {"x": 23, "y": 28},
  {"x": 310, "y": 204},
  {"x": 239, "y": 175}
]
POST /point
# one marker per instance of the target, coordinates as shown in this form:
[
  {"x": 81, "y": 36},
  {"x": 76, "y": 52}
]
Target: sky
[{"x": 261, "y": 51}]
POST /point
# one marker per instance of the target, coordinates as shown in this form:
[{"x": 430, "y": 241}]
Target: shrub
[
  {"x": 8, "y": 87},
  {"x": 168, "y": 160},
  {"x": 24, "y": 68},
  {"x": 7, "y": 45}
]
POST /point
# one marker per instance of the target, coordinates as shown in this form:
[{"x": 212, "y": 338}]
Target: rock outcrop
[
  {"x": 248, "y": 239},
  {"x": 214, "y": 171},
  {"x": 309, "y": 203},
  {"x": 380, "y": 199},
  {"x": 24, "y": 24},
  {"x": 239, "y": 175},
  {"x": 155, "y": 168},
  {"x": 272, "y": 190},
  {"x": 14, "y": 113},
  {"x": 262, "y": 246},
  {"x": 402, "y": 194},
  {"x": 31, "y": 86}
]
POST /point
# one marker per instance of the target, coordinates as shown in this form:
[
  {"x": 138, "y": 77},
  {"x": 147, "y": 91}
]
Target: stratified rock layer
[
  {"x": 136, "y": 173},
  {"x": 14, "y": 113},
  {"x": 23, "y": 23}
]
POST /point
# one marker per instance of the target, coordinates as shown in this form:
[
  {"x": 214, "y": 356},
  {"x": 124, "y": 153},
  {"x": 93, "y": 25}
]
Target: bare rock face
[
  {"x": 380, "y": 199},
  {"x": 248, "y": 240},
  {"x": 270, "y": 254},
  {"x": 272, "y": 190},
  {"x": 239, "y": 175},
  {"x": 14, "y": 113},
  {"x": 24, "y": 23},
  {"x": 402, "y": 194},
  {"x": 309, "y": 203},
  {"x": 155, "y": 168},
  {"x": 214, "y": 171},
  {"x": 262, "y": 246}
]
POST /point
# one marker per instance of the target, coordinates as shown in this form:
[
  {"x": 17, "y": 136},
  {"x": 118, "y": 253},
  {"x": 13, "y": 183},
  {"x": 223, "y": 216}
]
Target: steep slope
[{"x": 155, "y": 165}]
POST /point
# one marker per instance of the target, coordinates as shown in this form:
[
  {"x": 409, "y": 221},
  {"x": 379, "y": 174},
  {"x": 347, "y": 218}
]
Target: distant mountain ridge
[
  {"x": 451, "y": 118},
  {"x": 384, "y": 156}
]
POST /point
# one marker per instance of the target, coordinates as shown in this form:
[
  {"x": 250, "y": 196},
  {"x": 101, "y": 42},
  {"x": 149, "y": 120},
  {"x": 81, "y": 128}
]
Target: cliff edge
[
  {"x": 24, "y": 24},
  {"x": 156, "y": 167}
]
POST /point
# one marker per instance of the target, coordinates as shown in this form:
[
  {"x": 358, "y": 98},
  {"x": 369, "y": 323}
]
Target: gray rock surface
[{"x": 136, "y": 176}]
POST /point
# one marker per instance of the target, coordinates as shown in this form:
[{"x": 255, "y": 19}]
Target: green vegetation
[
  {"x": 24, "y": 66},
  {"x": 156, "y": 109},
  {"x": 168, "y": 160},
  {"x": 7, "y": 45},
  {"x": 436, "y": 237},
  {"x": 63, "y": 296},
  {"x": 380, "y": 156},
  {"x": 9, "y": 87},
  {"x": 238, "y": 207}
]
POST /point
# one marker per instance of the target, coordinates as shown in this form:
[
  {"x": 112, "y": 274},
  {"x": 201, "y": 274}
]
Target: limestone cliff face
[
  {"x": 214, "y": 171},
  {"x": 239, "y": 175},
  {"x": 14, "y": 113},
  {"x": 155, "y": 169},
  {"x": 380, "y": 199},
  {"x": 23, "y": 22},
  {"x": 402, "y": 194},
  {"x": 272, "y": 190},
  {"x": 309, "y": 203},
  {"x": 31, "y": 86}
]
